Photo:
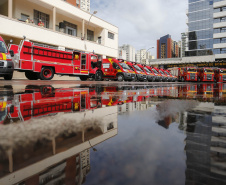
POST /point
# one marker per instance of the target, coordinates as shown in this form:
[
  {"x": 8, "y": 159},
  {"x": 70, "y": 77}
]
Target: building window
[
  {"x": 24, "y": 17},
  {"x": 111, "y": 35},
  {"x": 70, "y": 29},
  {"x": 41, "y": 16},
  {"x": 90, "y": 35}
]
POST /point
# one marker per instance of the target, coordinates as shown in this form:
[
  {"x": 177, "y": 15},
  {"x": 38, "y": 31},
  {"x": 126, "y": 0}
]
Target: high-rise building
[
  {"x": 200, "y": 27},
  {"x": 167, "y": 48},
  {"x": 130, "y": 52},
  {"x": 83, "y": 4}
]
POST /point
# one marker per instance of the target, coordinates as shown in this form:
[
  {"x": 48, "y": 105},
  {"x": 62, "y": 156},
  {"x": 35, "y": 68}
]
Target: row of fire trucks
[
  {"x": 203, "y": 74},
  {"x": 42, "y": 62},
  {"x": 38, "y": 101}
]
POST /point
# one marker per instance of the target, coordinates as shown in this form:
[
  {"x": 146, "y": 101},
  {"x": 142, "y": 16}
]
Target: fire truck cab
[
  {"x": 116, "y": 70},
  {"x": 6, "y": 64},
  {"x": 150, "y": 75},
  {"x": 220, "y": 75},
  {"x": 140, "y": 74},
  {"x": 44, "y": 61},
  {"x": 205, "y": 74}
]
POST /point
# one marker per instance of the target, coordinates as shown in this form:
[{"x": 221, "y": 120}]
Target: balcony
[
  {"x": 219, "y": 4},
  {"x": 82, "y": 30}
]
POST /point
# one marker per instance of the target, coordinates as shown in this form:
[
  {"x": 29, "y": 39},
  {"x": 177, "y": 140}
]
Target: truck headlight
[{"x": 8, "y": 57}]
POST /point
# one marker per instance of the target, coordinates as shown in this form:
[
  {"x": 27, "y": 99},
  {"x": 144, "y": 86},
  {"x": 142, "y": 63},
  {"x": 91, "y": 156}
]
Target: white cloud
[{"x": 142, "y": 23}]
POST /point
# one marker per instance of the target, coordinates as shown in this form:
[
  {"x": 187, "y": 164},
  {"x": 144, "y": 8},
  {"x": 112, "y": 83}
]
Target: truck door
[
  {"x": 107, "y": 69},
  {"x": 85, "y": 64}
]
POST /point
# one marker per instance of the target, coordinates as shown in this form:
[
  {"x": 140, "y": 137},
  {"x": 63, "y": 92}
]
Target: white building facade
[
  {"x": 130, "y": 52},
  {"x": 143, "y": 57},
  {"x": 65, "y": 26}
]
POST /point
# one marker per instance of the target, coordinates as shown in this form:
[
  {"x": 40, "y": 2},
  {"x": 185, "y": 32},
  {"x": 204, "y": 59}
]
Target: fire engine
[
  {"x": 44, "y": 61},
  {"x": 205, "y": 74},
  {"x": 206, "y": 91},
  {"x": 6, "y": 64},
  {"x": 164, "y": 76},
  {"x": 158, "y": 76},
  {"x": 185, "y": 73},
  {"x": 117, "y": 70},
  {"x": 220, "y": 75},
  {"x": 150, "y": 75},
  {"x": 172, "y": 77},
  {"x": 140, "y": 74}
]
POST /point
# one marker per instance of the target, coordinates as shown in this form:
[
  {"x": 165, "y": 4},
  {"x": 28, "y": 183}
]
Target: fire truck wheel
[
  {"x": 98, "y": 76},
  {"x": 182, "y": 79},
  {"x": 47, "y": 73},
  {"x": 8, "y": 77},
  {"x": 199, "y": 80},
  {"x": 83, "y": 78},
  {"x": 120, "y": 77},
  {"x": 31, "y": 75}
]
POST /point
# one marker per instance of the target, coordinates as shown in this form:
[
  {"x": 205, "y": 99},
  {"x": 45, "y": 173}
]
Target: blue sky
[{"x": 142, "y": 22}]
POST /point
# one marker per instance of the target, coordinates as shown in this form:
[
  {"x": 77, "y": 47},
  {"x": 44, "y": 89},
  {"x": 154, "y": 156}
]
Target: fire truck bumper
[
  {"x": 6, "y": 67},
  {"x": 150, "y": 78},
  {"x": 129, "y": 76}
]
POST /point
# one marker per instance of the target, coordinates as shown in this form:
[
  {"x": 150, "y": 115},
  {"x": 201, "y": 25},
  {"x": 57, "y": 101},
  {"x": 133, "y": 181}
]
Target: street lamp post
[
  {"x": 95, "y": 12},
  {"x": 146, "y": 53}
]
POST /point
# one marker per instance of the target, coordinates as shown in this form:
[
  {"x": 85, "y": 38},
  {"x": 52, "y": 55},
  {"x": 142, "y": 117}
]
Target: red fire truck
[
  {"x": 43, "y": 62},
  {"x": 150, "y": 75},
  {"x": 6, "y": 64},
  {"x": 164, "y": 76},
  {"x": 205, "y": 74},
  {"x": 140, "y": 74},
  {"x": 158, "y": 76},
  {"x": 116, "y": 70},
  {"x": 220, "y": 75},
  {"x": 185, "y": 73},
  {"x": 172, "y": 77}
]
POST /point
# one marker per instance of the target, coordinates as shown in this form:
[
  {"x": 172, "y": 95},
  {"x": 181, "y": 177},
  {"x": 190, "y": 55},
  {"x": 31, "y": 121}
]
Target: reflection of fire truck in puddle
[
  {"x": 188, "y": 91},
  {"x": 45, "y": 100},
  {"x": 206, "y": 91}
]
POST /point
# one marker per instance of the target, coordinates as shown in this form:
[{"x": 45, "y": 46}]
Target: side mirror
[{"x": 11, "y": 53}]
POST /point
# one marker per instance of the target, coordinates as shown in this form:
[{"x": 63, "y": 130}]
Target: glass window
[
  {"x": 3, "y": 48},
  {"x": 111, "y": 35},
  {"x": 90, "y": 35},
  {"x": 70, "y": 29},
  {"x": 41, "y": 16}
]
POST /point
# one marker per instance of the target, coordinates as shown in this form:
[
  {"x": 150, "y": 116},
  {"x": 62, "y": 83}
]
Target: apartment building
[
  {"x": 65, "y": 26},
  {"x": 130, "y": 52},
  {"x": 167, "y": 48},
  {"x": 206, "y": 28}
]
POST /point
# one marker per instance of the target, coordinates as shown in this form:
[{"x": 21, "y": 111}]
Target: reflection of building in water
[
  {"x": 133, "y": 106},
  {"x": 205, "y": 145},
  {"x": 64, "y": 159}
]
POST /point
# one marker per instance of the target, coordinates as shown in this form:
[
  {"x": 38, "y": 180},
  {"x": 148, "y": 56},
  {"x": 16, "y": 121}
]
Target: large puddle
[{"x": 113, "y": 135}]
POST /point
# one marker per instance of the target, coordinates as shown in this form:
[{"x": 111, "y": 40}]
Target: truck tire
[
  {"x": 31, "y": 75},
  {"x": 98, "y": 76},
  {"x": 120, "y": 77},
  {"x": 8, "y": 77},
  {"x": 199, "y": 80},
  {"x": 182, "y": 79},
  {"x": 83, "y": 78},
  {"x": 47, "y": 73}
]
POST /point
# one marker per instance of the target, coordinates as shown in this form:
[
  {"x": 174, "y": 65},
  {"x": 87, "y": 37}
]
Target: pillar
[
  {"x": 10, "y": 8},
  {"x": 54, "y": 18}
]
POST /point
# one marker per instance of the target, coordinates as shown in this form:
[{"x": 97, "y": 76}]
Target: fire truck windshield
[
  {"x": 156, "y": 72},
  {"x": 208, "y": 70},
  {"x": 223, "y": 71},
  {"x": 124, "y": 66},
  {"x": 137, "y": 68},
  {"x": 3, "y": 48},
  {"x": 146, "y": 69},
  {"x": 161, "y": 72},
  {"x": 2, "y": 115},
  {"x": 192, "y": 70},
  {"x": 167, "y": 73}
]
